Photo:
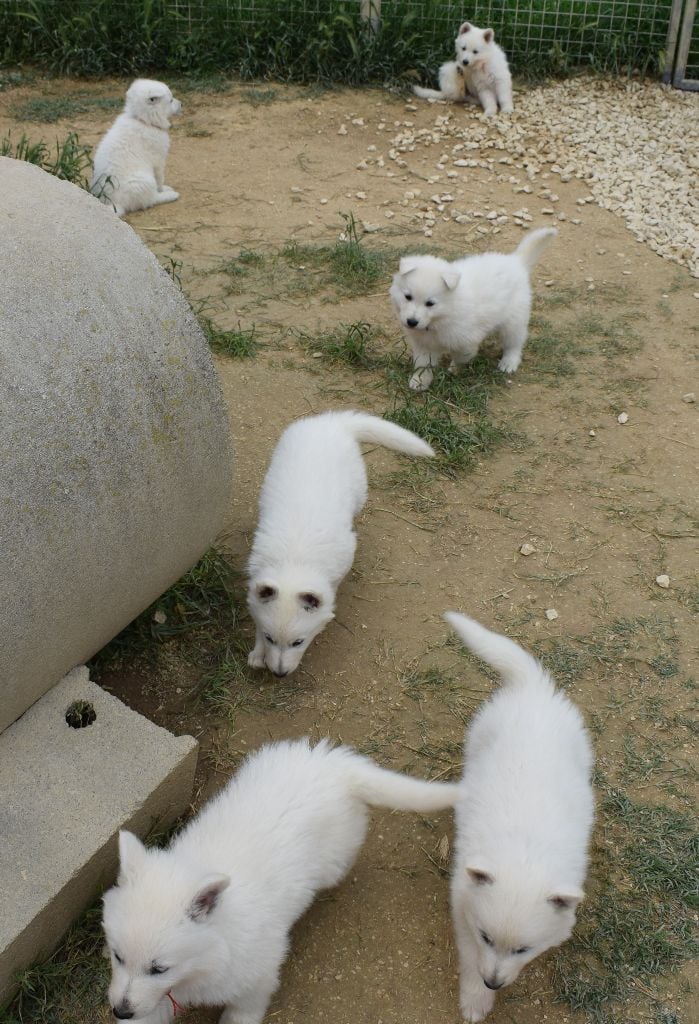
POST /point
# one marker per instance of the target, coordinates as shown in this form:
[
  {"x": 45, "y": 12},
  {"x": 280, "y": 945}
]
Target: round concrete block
[{"x": 115, "y": 466}]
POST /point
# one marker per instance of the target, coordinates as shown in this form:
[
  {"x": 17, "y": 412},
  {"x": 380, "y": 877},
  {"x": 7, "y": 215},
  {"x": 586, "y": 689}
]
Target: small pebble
[
  {"x": 689, "y": 398},
  {"x": 593, "y": 433},
  {"x": 663, "y": 581},
  {"x": 623, "y": 417},
  {"x": 527, "y": 549},
  {"x": 551, "y": 614},
  {"x": 160, "y": 617}
]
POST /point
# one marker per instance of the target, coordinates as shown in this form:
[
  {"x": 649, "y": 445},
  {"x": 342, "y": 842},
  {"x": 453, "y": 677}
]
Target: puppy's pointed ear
[
  {"x": 479, "y": 876},
  {"x": 132, "y": 856},
  {"x": 408, "y": 264},
  {"x": 567, "y": 899},
  {"x": 451, "y": 279},
  {"x": 310, "y": 601},
  {"x": 266, "y": 591},
  {"x": 207, "y": 897},
  {"x": 466, "y": 27},
  {"x": 488, "y": 35}
]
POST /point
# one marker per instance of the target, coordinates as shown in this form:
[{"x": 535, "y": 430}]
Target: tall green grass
[
  {"x": 69, "y": 159},
  {"x": 291, "y": 40}
]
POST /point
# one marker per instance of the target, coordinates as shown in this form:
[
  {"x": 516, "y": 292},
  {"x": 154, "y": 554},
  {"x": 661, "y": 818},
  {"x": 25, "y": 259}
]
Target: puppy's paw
[
  {"x": 476, "y": 1003},
  {"x": 256, "y": 659},
  {"x": 507, "y": 108},
  {"x": 510, "y": 362},
  {"x": 420, "y": 380}
]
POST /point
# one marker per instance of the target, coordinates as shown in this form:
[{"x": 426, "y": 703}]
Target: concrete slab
[{"x": 66, "y": 792}]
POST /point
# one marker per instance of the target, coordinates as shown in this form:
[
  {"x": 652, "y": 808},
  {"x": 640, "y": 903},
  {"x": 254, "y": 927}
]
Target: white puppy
[
  {"x": 207, "y": 921},
  {"x": 130, "y": 160},
  {"x": 452, "y": 307},
  {"x": 304, "y": 545},
  {"x": 523, "y": 822},
  {"x": 480, "y": 73}
]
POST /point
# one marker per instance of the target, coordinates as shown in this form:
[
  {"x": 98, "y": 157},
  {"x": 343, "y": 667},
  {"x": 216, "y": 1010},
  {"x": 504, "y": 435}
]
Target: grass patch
[
  {"x": 69, "y": 160},
  {"x": 48, "y": 110},
  {"x": 75, "y": 975},
  {"x": 348, "y": 344},
  {"x": 347, "y": 266},
  {"x": 200, "y": 608},
  {"x": 638, "y": 922},
  {"x": 289, "y": 40},
  {"x": 236, "y": 344}
]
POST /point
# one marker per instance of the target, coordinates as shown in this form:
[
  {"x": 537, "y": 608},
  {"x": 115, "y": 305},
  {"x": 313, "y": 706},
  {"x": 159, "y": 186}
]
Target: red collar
[{"x": 176, "y": 1008}]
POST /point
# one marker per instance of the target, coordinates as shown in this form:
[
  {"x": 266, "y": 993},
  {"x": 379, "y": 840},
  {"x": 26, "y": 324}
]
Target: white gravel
[{"x": 635, "y": 145}]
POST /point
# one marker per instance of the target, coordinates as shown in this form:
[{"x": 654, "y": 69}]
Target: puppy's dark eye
[
  {"x": 475, "y": 51},
  {"x": 158, "y": 969},
  {"x": 297, "y": 643},
  {"x": 268, "y": 638},
  {"x": 487, "y": 939},
  {"x": 430, "y": 302},
  {"x": 408, "y": 296},
  {"x": 117, "y": 957},
  {"x": 521, "y": 951}
]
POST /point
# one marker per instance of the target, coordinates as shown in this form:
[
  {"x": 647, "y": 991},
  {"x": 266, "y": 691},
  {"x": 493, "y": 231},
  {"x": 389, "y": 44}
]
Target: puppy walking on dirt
[
  {"x": 450, "y": 308},
  {"x": 130, "y": 160},
  {"x": 304, "y": 544},
  {"x": 479, "y": 74},
  {"x": 523, "y": 822},
  {"x": 207, "y": 921}
]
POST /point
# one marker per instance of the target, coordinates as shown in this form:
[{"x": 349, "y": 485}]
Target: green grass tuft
[
  {"x": 48, "y": 110},
  {"x": 237, "y": 344},
  {"x": 69, "y": 161}
]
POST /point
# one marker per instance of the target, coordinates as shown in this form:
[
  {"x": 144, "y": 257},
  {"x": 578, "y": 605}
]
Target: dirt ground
[{"x": 608, "y": 507}]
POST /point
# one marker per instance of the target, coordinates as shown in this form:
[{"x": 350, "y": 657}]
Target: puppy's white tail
[
  {"x": 428, "y": 94},
  {"x": 533, "y": 245},
  {"x": 380, "y": 787},
  {"x": 506, "y": 657},
  {"x": 364, "y": 427}
]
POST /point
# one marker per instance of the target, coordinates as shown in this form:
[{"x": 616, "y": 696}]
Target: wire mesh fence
[{"x": 341, "y": 40}]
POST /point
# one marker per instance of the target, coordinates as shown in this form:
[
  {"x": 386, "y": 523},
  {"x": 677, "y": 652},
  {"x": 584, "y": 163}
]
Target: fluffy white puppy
[
  {"x": 304, "y": 544},
  {"x": 207, "y": 921},
  {"x": 129, "y": 171},
  {"x": 450, "y": 308},
  {"x": 523, "y": 822},
  {"x": 480, "y": 73}
]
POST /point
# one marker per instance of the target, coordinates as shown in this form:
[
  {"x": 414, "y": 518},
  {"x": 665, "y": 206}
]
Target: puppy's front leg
[
  {"x": 250, "y": 1008},
  {"x": 489, "y": 102},
  {"x": 476, "y": 1000},
  {"x": 422, "y": 370},
  {"x": 256, "y": 657}
]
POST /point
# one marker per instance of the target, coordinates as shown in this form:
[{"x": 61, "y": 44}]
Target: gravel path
[{"x": 635, "y": 144}]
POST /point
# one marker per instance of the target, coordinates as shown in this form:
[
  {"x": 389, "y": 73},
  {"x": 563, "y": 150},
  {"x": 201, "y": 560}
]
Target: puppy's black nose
[
  {"x": 411, "y": 321},
  {"x": 280, "y": 675},
  {"x": 492, "y": 984},
  {"x": 465, "y": 60},
  {"x": 121, "y": 1014}
]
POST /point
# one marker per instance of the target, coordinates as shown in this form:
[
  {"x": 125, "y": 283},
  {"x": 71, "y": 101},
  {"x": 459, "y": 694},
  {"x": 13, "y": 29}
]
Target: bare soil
[{"x": 607, "y": 506}]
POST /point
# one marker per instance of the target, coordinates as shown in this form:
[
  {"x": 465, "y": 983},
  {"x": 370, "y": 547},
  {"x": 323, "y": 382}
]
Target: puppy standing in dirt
[
  {"x": 207, "y": 921},
  {"x": 450, "y": 308},
  {"x": 129, "y": 171},
  {"x": 523, "y": 822},
  {"x": 304, "y": 544},
  {"x": 480, "y": 73}
]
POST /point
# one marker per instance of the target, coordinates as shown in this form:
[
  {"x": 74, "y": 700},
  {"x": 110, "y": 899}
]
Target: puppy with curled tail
[
  {"x": 523, "y": 821},
  {"x": 450, "y": 308}
]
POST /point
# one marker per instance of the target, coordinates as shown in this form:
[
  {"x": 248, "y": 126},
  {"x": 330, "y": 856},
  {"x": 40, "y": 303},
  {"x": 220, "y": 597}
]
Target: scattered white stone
[
  {"x": 388, "y": 214},
  {"x": 551, "y": 614},
  {"x": 370, "y": 228},
  {"x": 593, "y": 433},
  {"x": 527, "y": 549},
  {"x": 317, "y": 355},
  {"x": 323, "y": 202},
  {"x": 342, "y": 130},
  {"x": 663, "y": 581},
  {"x": 295, "y": 188},
  {"x": 360, "y": 195},
  {"x": 689, "y": 398},
  {"x": 623, "y": 417},
  {"x": 359, "y": 121},
  {"x": 159, "y": 616}
]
